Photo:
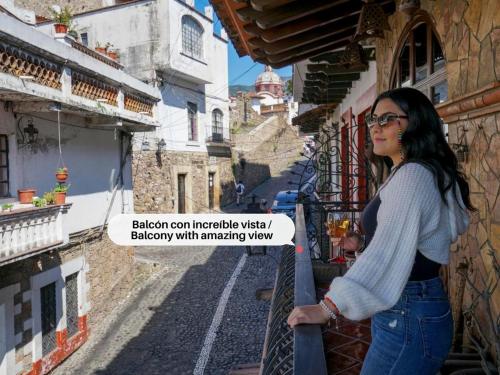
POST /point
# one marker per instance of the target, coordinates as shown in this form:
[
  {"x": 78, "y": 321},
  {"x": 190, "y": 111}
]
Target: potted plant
[
  {"x": 112, "y": 53},
  {"x": 49, "y": 197},
  {"x": 62, "y": 174},
  {"x": 39, "y": 202},
  {"x": 99, "y": 48},
  {"x": 7, "y": 207},
  {"x": 60, "y": 193},
  {"x": 25, "y": 196},
  {"x": 62, "y": 19}
]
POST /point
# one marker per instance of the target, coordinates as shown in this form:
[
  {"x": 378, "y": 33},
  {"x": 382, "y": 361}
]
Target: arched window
[
  {"x": 192, "y": 37},
  {"x": 420, "y": 63},
  {"x": 217, "y": 122}
]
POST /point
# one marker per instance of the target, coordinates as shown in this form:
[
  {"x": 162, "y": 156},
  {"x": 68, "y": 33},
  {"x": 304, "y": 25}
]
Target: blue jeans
[{"x": 414, "y": 336}]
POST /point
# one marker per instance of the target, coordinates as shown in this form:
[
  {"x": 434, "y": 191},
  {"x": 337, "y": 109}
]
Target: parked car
[{"x": 284, "y": 202}]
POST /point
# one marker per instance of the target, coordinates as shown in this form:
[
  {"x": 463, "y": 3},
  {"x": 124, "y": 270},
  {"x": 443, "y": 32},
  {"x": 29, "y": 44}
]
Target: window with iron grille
[
  {"x": 192, "y": 37},
  {"x": 192, "y": 121},
  {"x": 48, "y": 317},
  {"x": 72, "y": 304},
  {"x": 4, "y": 166},
  {"x": 217, "y": 134}
]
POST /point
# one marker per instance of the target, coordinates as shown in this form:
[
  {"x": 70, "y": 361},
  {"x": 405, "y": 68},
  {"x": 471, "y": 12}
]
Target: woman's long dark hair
[{"x": 424, "y": 142}]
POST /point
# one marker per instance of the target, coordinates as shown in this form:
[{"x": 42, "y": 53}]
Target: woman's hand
[
  {"x": 308, "y": 314},
  {"x": 350, "y": 242}
]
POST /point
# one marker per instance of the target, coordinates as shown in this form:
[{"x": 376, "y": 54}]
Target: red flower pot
[
  {"x": 61, "y": 28},
  {"x": 113, "y": 55},
  {"x": 101, "y": 50},
  {"x": 60, "y": 197},
  {"x": 61, "y": 176},
  {"x": 25, "y": 196}
]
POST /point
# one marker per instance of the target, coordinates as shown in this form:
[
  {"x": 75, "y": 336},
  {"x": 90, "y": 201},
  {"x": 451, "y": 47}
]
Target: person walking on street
[{"x": 240, "y": 190}]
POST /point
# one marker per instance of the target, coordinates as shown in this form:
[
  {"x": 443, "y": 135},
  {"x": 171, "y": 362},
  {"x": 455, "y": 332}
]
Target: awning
[{"x": 309, "y": 122}]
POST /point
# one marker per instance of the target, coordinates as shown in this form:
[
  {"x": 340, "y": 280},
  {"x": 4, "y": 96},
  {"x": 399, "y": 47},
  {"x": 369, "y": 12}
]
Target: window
[
  {"x": 421, "y": 64},
  {"x": 72, "y": 304},
  {"x": 85, "y": 39},
  {"x": 192, "y": 37},
  {"x": 217, "y": 123},
  {"x": 4, "y": 166},
  {"x": 48, "y": 317},
  {"x": 192, "y": 121}
]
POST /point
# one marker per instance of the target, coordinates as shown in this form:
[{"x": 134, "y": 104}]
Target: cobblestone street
[{"x": 163, "y": 325}]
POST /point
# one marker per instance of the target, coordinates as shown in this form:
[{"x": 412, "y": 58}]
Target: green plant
[
  {"x": 62, "y": 170},
  {"x": 63, "y": 16},
  {"x": 49, "y": 197},
  {"x": 7, "y": 206},
  {"x": 60, "y": 188},
  {"x": 39, "y": 202}
]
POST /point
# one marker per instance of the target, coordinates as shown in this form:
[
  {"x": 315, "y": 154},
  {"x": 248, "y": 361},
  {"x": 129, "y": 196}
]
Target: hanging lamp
[{"x": 372, "y": 21}]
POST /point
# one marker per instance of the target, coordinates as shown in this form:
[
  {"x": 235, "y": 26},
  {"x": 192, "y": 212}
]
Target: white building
[
  {"x": 173, "y": 46},
  {"x": 62, "y": 104}
]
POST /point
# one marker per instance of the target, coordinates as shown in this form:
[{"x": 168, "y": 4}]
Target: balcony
[
  {"x": 218, "y": 141},
  {"x": 273, "y": 108},
  {"x": 79, "y": 80},
  {"x": 28, "y": 231}
]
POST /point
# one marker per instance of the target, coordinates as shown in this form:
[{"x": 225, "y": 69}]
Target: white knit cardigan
[{"x": 411, "y": 216}]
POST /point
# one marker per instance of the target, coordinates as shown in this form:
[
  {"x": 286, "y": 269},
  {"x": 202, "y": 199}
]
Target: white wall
[
  {"x": 91, "y": 155},
  {"x": 148, "y": 35},
  {"x": 134, "y": 29},
  {"x": 363, "y": 91}
]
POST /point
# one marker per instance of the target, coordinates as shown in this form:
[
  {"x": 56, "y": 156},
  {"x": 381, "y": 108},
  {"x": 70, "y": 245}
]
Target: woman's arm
[{"x": 375, "y": 281}]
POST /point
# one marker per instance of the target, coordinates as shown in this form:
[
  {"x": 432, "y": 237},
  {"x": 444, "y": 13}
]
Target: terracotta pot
[
  {"x": 25, "y": 196},
  {"x": 61, "y": 28},
  {"x": 113, "y": 55},
  {"x": 101, "y": 50},
  {"x": 60, "y": 197},
  {"x": 61, "y": 176}
]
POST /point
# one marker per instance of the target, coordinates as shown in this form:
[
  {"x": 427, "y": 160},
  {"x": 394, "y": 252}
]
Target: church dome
[
  {"x": 267, "y": 77},
  {"x": 270, "y": 82}
]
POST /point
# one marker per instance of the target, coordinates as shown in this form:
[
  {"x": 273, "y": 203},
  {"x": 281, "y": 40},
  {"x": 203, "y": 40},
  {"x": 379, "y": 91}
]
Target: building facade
[
  {"x": 173, "y": 46},
  {"x": 62, "y": 106}
]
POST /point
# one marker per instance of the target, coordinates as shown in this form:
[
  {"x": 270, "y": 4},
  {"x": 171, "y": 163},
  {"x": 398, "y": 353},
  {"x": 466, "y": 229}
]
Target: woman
[{"x": 409, "y": 225}]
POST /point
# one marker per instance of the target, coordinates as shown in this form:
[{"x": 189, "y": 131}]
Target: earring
[{"x": 400, "y": 143}]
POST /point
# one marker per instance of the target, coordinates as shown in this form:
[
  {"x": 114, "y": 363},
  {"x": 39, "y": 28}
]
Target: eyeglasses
[{"x": 382, "y": 120}]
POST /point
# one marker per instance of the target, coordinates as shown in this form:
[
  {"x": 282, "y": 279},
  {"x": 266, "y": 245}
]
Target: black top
[{"x": 423, "y": 268}]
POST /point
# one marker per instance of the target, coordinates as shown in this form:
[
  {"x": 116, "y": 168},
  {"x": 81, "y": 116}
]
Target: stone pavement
[{"x": 162, "y": 326}]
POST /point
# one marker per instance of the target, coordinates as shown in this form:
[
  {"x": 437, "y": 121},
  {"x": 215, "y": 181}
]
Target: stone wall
[
  {"x": 470, "y": 37},
  {"x": 155, "y": 181},
  {"x": 108, "y": 279},
  {"x": 41, "y": 7},
  {"x": 267, "y": 152}
]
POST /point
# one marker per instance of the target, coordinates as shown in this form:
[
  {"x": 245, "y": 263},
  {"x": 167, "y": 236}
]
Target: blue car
[{"x": 284, "y": 202}]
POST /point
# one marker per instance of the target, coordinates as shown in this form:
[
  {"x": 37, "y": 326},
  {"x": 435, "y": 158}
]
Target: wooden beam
[
  {"x": 318, "y": 20},
  {"x": 326, "y": 34},
  {"x": 333, "y": 69},
  {"x": 349, "y": 77},
  {"x": 301, "y": 53},
  {"x": 337, "y": 29},
  {"x": 264, "y": 5},
  {"x": 285, "y": 13},
  {"x": 325, "y": 83},
  {"x": 334, "y": 57}
]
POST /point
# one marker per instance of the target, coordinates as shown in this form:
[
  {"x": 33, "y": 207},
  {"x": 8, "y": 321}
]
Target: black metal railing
[{"x": 298, "y": 351}]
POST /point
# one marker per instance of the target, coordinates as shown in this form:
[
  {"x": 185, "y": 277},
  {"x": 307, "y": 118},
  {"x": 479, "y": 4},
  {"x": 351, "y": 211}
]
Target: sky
[{"x": 242, "y": 70}]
